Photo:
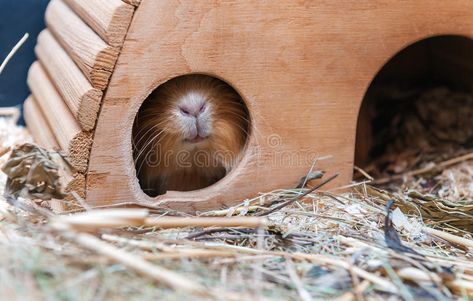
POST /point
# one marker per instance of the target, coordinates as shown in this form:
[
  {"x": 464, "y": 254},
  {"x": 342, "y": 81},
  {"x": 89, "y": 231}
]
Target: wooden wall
[
  {"x": 302, "y": 67},
  {"x": 76, "y": 55}
]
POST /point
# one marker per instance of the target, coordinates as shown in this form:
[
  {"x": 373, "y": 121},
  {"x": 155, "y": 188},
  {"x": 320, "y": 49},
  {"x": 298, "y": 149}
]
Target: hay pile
[{"x": 324, "y": 245}]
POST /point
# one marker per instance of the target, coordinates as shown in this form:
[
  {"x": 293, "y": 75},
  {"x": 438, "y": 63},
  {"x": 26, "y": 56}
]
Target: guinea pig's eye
[{"x": 202, "y": 108}]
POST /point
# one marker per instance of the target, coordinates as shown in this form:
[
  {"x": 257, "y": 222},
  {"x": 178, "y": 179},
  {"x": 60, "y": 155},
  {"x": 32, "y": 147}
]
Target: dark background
[{"x": 18, "y": 17}]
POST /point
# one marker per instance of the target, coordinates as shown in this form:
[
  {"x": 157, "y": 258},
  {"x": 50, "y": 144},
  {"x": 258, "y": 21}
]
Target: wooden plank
[
  {"x": 109, "y": 19},
  {"x": 94, "y": 57},
  {"x": 73, "y": 183},
  {"x": 133, "y": 2},
  {"x": 37, "y": 125},
  {"x": 69, "y": 135},
  {"x": 77, "y": 184},
  {"x": 80, "y": 96}
]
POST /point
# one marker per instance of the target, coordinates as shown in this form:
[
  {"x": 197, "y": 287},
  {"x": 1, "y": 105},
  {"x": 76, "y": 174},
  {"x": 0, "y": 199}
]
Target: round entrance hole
[
  {"x": 189, "y": 133},
  {"x": 418, "y": 109}
]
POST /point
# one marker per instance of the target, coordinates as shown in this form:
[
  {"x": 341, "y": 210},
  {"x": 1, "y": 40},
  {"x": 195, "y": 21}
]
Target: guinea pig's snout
[
  {"x": 197, "y": 119},
  {"x": 194, "y": 109}
]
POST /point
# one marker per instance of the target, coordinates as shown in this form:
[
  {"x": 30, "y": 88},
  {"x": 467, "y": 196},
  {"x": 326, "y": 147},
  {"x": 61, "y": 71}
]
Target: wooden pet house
[{"x": 301, "y": 67}]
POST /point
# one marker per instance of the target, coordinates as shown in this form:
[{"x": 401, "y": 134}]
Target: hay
[{"x": 324, "y": 245}]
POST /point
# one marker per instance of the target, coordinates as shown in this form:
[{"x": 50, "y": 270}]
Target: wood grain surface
[
  {"x": 133, "y": 2},
  {"x": 82, "y": 99},
  {"x": 67, "y": 131},
  {"x": 37, "y": 124},
  {"x": 92, "y": 55},
  {"x": 109, "y": 19}
]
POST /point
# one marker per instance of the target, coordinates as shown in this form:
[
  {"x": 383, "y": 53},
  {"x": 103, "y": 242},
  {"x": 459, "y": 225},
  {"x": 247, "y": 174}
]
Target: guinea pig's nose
[{"x": 192, "y": 109}]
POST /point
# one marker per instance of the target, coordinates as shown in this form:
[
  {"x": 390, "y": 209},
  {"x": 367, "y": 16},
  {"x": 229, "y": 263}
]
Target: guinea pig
[{"x": 188, "y": 134}]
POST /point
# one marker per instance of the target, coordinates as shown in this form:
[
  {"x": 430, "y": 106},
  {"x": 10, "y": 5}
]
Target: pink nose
[{"x": 192, "y": 109}]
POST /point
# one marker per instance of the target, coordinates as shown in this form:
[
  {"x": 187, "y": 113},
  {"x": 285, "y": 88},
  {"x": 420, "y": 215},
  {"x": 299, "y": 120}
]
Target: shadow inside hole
[
  {"x": 418, "y": 108},
  {"x": 188, "y": 134}
]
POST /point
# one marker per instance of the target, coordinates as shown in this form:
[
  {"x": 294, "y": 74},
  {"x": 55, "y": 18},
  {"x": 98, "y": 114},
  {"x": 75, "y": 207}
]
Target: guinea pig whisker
[
  {"x": 256, "y": 132},
  {"x": 147, "y": 153},
  {"x": 139, "y": 167},
  {"x": 144, "y": 160},
  {"x": 146, "y": 127},
  {"x": 145, "y": 134},
  {"x": 238, "y": 124},
  {"x": 148, "y": 142},
  {"x": 236, "y": 115},
  {"x": 241, "y": 128}
]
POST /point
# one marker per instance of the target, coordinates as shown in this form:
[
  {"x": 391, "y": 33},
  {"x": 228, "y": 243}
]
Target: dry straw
[
  {"x": 13, "y": 51},
  {"x": 310, "y": 245}
]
